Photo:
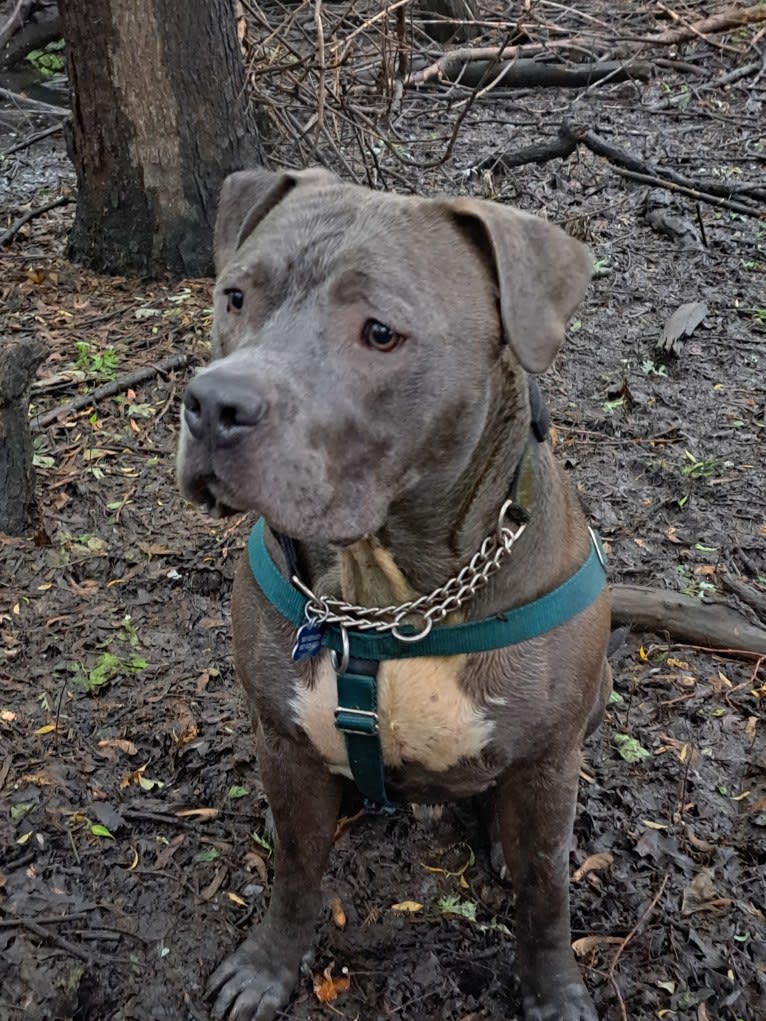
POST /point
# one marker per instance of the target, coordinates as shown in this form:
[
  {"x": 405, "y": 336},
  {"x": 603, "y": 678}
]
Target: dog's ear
[
  {"x": 542, "y": 274},
  {"x": 246, "y": 198}
]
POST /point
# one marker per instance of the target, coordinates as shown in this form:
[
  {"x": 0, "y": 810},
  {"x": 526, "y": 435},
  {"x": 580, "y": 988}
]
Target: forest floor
[{"x": 134, "y": 851}]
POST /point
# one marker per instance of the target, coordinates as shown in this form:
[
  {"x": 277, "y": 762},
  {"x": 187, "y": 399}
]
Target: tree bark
[
  {"x": 19, "y": 360},
  {"x": 159, "y": 118}
]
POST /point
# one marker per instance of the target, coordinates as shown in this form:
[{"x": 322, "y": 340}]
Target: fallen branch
[
  {"x": 536, "y": 74},
  {"x": 622, "y": 158},
  {"x": 714, "y": 625},
  {"x": 733, "y": 17},
  {"x": 560, "y": 148},
  {"x": 629, "y": 166},
  {"x": 32, "y": 105},
  {"x": 700, "y": 196},
  {"x": 30, "y": 214},
  {"x": 747, "y": 594},
  {"x": 116, "y": 386},
  {"x": 38, "y": 136},
  {"x": 448, "y": 66}
]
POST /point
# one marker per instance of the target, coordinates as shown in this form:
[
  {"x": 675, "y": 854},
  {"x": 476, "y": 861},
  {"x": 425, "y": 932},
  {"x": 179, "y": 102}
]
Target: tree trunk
[
  {"x": 19, "y": 360},
  {"x": 159, "y": 118}
]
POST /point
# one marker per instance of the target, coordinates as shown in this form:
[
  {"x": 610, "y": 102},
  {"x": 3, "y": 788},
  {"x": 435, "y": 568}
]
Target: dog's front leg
[
  {"x": 535, "y": 806},
  {"x": 257, "y": 980}
]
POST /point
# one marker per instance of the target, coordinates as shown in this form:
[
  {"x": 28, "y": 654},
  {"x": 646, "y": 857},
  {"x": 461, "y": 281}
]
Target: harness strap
[
  {"x": 508, "y": 628},
  {"x": 357, "y": 718}
]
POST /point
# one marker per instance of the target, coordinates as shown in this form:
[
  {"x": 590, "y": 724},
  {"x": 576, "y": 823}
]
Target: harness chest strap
[{"x": 361, "y": 652}]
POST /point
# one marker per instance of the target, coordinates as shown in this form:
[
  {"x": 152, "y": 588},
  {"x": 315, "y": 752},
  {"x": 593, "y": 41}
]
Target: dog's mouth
[{"x": 205, "y": 491}]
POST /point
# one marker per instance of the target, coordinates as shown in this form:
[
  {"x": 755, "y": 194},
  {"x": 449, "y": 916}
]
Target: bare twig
[
  {"x": 732, "y": 17},
  {"x": 644, "y": 915},
  {"x": 693, "y": 193},
  {"x": 30, "y": 214},
  {"x": 124, "y": 382},
  {"x": 33, "y": 105},
  {"x": 17, "y": 16},
  {"x": 38, "y": 136},
  {"x": 628, "y": 165}
]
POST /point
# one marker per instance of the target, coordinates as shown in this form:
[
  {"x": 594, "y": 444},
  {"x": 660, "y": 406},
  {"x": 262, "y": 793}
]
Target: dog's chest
[{"x": 423, "y": 714}]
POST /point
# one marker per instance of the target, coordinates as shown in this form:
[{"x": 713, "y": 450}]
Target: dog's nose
[{"x": 222, "y": 406}]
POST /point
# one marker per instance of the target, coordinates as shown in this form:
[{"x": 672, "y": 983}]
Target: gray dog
[{"x": 369, "y": 398}]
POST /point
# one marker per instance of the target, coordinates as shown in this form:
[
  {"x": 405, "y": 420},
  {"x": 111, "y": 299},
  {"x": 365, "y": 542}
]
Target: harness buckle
[{"x": 356, "y": 721}]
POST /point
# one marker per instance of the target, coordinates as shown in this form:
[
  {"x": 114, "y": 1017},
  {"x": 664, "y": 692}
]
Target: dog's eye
[
  {"x": 235, "y": 299},
  {"x": 380, "y": 337}
]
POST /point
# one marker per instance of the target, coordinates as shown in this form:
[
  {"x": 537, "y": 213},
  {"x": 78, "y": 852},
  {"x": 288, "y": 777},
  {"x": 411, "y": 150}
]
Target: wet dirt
[{"x": 134, "y": 845}]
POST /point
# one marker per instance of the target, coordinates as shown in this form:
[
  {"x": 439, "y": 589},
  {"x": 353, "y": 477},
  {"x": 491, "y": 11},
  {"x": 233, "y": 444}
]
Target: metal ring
[
  {"x": 417, "y": 637},
  {"x": 341, "y": 666}
]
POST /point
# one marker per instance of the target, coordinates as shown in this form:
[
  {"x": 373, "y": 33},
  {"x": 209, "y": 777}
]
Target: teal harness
[{"x": 361, "y": 652}]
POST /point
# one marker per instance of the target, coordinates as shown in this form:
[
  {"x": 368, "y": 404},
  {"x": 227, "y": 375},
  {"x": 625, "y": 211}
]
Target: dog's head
[{"x": 354, "y": 341}]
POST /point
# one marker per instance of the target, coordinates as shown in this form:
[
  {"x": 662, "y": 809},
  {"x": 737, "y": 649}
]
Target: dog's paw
[
  {"x": 252, "y": 984},
  {"x": 569, "y": 1003}
]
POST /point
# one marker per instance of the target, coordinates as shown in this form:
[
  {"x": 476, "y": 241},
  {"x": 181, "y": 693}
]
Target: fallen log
[
  {"x": 686, "y": 619},
  {"x": 529, "y": 74}
]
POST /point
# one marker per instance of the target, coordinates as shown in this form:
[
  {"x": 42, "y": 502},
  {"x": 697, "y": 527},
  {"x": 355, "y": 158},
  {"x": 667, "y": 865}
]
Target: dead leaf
[
  {"x": 156, "y": 549},
  {"x": 407, "y": 906},
  {"x": 594, "y": 863},
  {"x": 255, "y": 863},
  {"x": 167, "y": 852},
  {"x": 700, "y": 895},
  {"x": 188, "y": 734},
  {"x": 198, "y": 813},
  {"x": 215, "y": 884},
  {"x": 327, "y": 988},
  {"x": 120, "y": 743},
  {"x": 338, "y": 914},
  {"x": 587, "y": 944}
]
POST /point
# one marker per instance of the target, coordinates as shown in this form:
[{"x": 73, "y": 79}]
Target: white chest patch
[{"x": 423, "y": 714}]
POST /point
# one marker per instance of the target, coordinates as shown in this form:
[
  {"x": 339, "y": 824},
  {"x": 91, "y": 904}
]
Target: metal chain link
[{"x": 431, "y": 608}]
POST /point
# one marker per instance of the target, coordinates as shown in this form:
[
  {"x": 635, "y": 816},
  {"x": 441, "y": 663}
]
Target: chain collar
[{"x": 432, "y": 608}]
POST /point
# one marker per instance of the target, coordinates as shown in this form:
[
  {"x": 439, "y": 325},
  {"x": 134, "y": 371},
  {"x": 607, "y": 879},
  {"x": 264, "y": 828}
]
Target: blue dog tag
[{"x": 308, "y": 639}]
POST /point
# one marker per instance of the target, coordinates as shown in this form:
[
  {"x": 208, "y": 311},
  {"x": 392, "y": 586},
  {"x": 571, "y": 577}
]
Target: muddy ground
[{"x": 133, "y": 840}]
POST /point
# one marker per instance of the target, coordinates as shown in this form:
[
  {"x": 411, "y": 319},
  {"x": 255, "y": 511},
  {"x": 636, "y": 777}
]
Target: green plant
[
  {"x": 650, "y": 369},
  {"x": 48, "y": 61},
  {"x": 101, "y": 364},
  {"x": 693, "y": 586},
  {"x": 698, "y": 468},
  {"x": 106, "y": 669}
]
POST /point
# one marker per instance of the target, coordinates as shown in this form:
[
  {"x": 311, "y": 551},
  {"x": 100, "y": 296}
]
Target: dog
[{"x": 370, "y": 397}]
